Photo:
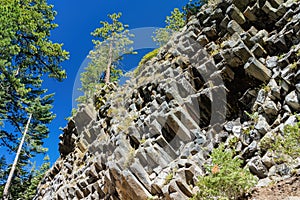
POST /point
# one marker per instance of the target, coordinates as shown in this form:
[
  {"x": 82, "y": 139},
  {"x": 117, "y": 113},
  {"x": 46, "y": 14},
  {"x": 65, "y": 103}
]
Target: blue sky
[{"x": 76, "y": 20}]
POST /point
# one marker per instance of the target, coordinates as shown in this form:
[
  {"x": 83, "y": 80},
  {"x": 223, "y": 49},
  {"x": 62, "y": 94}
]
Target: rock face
[{"x": 150, "y": 137}]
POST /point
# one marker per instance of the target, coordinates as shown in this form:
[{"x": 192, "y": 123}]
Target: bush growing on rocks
[
  {"x": 289, "y": 143},
  {"x": 226, "y": 179},
  {"x": 146, "y": 58}
]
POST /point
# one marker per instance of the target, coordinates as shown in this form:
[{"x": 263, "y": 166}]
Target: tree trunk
[
  {"x": 108, "y": 68},
  {"x": 12, "y": 170}
]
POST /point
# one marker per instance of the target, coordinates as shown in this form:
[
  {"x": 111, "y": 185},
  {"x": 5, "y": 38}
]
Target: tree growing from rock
[
  {"x": 26, "y": 55},
  {"x": 174, "y": 23},
  {"x": 113, "y": 40}
]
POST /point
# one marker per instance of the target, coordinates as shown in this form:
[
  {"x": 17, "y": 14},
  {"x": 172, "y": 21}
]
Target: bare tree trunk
[
  {"x": 12, "y": 170},
  {"x": 108, "y": 68}
]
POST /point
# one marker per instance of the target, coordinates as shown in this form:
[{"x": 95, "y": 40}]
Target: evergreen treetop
[{"x": 26, "y": 55}]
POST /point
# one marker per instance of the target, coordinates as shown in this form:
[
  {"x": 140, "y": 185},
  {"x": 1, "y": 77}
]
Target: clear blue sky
[{"x": 76, "y": 20}]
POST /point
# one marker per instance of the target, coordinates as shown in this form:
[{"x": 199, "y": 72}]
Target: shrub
[
  {"x": 225, "y": 179},
  {"x": 289, "y": 144},
  {"x": 283, "y": 146},
  {"x": 253, "y": 116},
  {"x": 146, "y": 58},
  {"x": 168, "y": 178}
]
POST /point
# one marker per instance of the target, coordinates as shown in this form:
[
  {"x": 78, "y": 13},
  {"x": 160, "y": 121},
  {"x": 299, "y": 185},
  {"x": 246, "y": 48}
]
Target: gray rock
[
  {"x": 236, "y": 14},
  {"x": 271, "y": 62},
  {"x": 203, "y": 40},
  {"x": 237, "y": 130},
  {"x": 229, "y": 126},
  {"x": 262, "y": 125},
  {"x": 257, "y": 167},
  {"x": 264, "y": 182},
  {"x": 285, "y": 85},
  {"x": 253, "y": 31},
  {"x": 238, "y": 147},
  {"x": 291, "y": 121},
  {"x": 234, "y": 27},
  {"x": 276, "y": 3},
  {"x": 184, "y": 188},
  {"x": 261, "y": 96},
  {"x": 260, "y": 37},
  {"x": 258, "y": 50},
  {"x": 275, "y": 89},
  {"x": 249, "y": 13},
  {"x": 268, "y": 9},
  {"x": 298, "y": 87},
  {"x": 242, "y": 52},
  {"x": 292, "y": 100},
  {"x": 257, "y": 70},
  {"x": 240, "y": 4},
  {"x": 210, "y": 32},
  {"x": 268, "y": 160},
  {"x": 283, "y": 169},
  {"x": 270, "y": 107},
  {"x": 231, "y": 59},
  {"x": 250, "y": 150}
]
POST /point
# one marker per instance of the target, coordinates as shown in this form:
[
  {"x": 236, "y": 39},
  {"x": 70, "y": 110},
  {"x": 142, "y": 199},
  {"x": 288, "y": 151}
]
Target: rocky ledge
[{"x": 231, "y": 75}]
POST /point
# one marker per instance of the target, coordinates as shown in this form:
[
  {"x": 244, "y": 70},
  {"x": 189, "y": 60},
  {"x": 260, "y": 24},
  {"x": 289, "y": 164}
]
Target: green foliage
[
  {"x": 26, "y": 55},
  {"x": 226, "y": 179},
  {"x": 145, "y": 59},
  {"x": 266, "y": 88},
  {"x": 293, "y": 65},
  {"x": 174, "y": 22},
  {"x": 253, "y": 116},
  {"x": 113, "y": 41},
  {"x": 233, "y": 141},
  {"x": 36, "y": 178},
  {"x": 25, "y": 188},
  {"x": 247, "y": 130},
  {"x": 162, "y": 36},
  {"x": 289, "y": 143},
  {"x": 283, "y": 146},
  {"x": 168, "y": 178}
]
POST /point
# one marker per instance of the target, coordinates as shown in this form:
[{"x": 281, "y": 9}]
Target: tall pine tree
[
  {"x": 112, "y": 42},
  {"x": 26, "y": 55}
]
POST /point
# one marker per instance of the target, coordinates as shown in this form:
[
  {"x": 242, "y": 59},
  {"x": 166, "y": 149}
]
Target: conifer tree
[
  {"x": 174, "y": 23},
  {"x": 112, "y": 42},
  {"x": 26, "y": 55}
]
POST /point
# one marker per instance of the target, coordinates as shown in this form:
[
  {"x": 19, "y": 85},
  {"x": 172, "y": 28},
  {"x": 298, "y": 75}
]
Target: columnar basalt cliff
[{"x": 151, "y": 137}]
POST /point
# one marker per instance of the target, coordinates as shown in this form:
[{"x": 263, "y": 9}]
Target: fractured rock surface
[{"x": 152, "y": 136}]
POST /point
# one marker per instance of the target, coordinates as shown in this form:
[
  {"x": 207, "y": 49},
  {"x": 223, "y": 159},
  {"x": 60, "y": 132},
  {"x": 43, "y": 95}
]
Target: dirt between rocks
[{"x": 288, "y": 189}]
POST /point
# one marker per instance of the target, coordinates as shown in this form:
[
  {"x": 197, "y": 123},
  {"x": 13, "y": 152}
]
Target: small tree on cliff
[
  {"x": 173, "y": 23},
  {"x": 113, "y": 41}
]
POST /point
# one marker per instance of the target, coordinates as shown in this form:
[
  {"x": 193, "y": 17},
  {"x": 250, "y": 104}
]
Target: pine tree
[
  {"x": 113, "y": 41},
  {"x": 174, "y": 23},
  {"x": 26, "y": 55},
  {"x": 36, "y": 177}
]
